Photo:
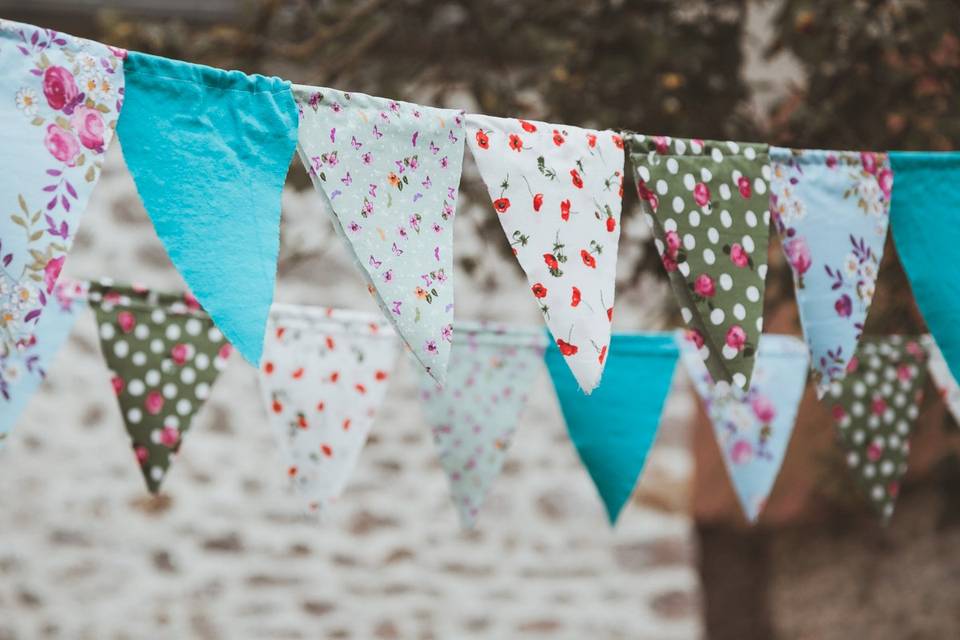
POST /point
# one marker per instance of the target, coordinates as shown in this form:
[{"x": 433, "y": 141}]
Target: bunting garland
[
  {"x": 946, "y": 384},
  {"x": 832, "y": 210},
  {"x": 324, "y": 375},
  {"x": 60, "y": 111},
  {"x": 706, "y": 203},
  {"x": 614, "y": 428},
  {"x": 209, "y": 152},
  {"x": 24, "y": 368},
  {"x": 473, "y": 418},
  {"x": 874, "y": 408},
  {"x": 753, "y": 428},
  {"x": 164, "y": 353},
  {"x": 390, "y": 172},
  {"x": 557, "y": 190}
]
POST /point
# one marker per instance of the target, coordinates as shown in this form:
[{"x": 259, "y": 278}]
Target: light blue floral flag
[
  {"x": 62, "y": 96},
  {"x": 24, "y": 368},
  {"x": 390, "y": 172},
  {"x": 473, "y": 417},
  {"x": 832, "y": 209},
  {"x": 753, "y": 428},
  {"x": 924, "y": 222},
  {"x": 614, "y": 427},
  {"x": 209, "y": 151}
]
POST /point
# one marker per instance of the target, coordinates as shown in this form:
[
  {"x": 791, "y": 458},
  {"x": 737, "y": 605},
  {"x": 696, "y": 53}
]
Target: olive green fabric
[
  {"x": 164, "y": 353},
  {"x": 708, "y": 205}
]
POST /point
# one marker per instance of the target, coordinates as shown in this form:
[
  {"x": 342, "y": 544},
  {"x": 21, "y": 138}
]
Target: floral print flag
[
  {"x": 209, "y": 152},
  {"x": 557, "y": 191},
  {"x": 164, "y": 353},
  {"x": 753, "y": 428},
  {"x": 874, "y": 408},
  {"x": 946, "y": 384},
  {"x": 614, "y": 427},
  {"x": 324, "y": 375},
  {"x": 390, "y": 172},
  {"x": 474, "y": 416},
  {"x": 706, "y": 202},
  {"x": 23, "y": 369},
  {"x": 831, "y": 209},
  {"x": 63, "y": 98}
]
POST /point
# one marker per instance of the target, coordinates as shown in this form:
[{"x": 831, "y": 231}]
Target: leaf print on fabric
[
  {"x": 707, "y": 204},
  {"x": 23, "y": 369},
  {"x": 398, "y": 220},
  {"x": 753, "y": 428},
  {"x": 474, "y": 416},
  {"x": 874, "y": 407},
  {"x": 324, "y": 375},
  {"x": 164, "y": 353},
  {"x": 60, "y": 116},
  {"x": 832, "y": 211},
  {"x": 557, "y": 192},
  {"x": 946, "y": 384}
]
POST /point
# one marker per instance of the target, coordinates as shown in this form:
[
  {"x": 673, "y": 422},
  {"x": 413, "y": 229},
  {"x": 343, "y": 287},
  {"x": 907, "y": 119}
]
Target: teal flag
[
  {"x": 614, "y": 427},
  {"x": 924, "y": 218},
  {"x": 209, "y": 151}
]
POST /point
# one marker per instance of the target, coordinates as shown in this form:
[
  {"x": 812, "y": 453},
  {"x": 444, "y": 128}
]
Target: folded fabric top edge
[
  {"x": 920, "y": 159},
  {"x": 693, "y": 147},
  {"x": 178, "y": 70},
  {"x": 145, "y": 299},
  {"x": 14, "y": 31},
  {"x": 474, "y": 118},
  {"x": 771, "y": 344},
  {"x": 305, "y": 93},
  {"x": 815, "y": 156}
]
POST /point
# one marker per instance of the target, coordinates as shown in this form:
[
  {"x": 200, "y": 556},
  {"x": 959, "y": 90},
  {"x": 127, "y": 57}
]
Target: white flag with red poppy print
[
  {"x": 323, "y": 376},
  {"x": 557, "y": 192}
]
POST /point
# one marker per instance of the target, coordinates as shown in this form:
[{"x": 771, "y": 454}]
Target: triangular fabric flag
[
  {"x": 473, "y": 417},
  {"x": 874, "y": 408},
  {"x": 23, "y": 369},
  {"x": 557, "y": 191},
  {"x": 753, "y": 428},
  {"x": 209, "y": 152},
  {"x": 64, "y": 96},
  {"x": 164, "y": 353},
  {"x": 832, "y": 209},
  {"x": 390, "y": 172},
  {"x": 923, "y": 220},
  {"x": 946, "y": 384},
  {"x": 324, "y": 375},
  {"x": 707, "y": 205},
  {"x": 614, "y": 428}
]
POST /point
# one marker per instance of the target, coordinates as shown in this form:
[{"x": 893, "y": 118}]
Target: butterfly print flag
[
  {"x": 614, "y": 427},
  {"x": 473, "y": 417},
  {"x": 753, "y": 428},
  {"x": 706, "y": 202},
  {"x": 832, "y": 209},
  {"x": 61, "y": 105},
  {"x": 164, "y": 353},
  {"x": 557, "y": 191},
  {"x": 946, "y": 384},
  {"x": 24, "y": 368},
  {"x": 874, "y": 408},
  {"x": 390, "y": 172},
  {"x": 209, "y": 152},
  {"x": 323, "y": 377}
]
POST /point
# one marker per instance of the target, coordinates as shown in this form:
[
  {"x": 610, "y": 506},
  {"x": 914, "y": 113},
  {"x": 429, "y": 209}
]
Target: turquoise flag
[
  {"x": 614, "y": 427},
  {"x": 209, "y": 151},
  {"x": 924, "y": 219}
]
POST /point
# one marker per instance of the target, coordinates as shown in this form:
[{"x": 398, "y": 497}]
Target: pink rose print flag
[
  {"x": 63, "y": 98},
  {"x": 557, "y": 191},
  {"x": 946, "y": 384},
  {"x": 832, "y": 209},
  {"x": 753, "y": 428},
  {"x": 164, "y": 353},
  {"x": 324, "y": 375},
  {"x": 473, "y": 418},
  {"x": 390, "y": 172}
]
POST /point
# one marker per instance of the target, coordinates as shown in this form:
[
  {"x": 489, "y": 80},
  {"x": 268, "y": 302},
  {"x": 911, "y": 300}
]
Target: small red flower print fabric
[
  {"x": 707, "y": 203},
  {"x": 390, "y": 171},
  {"x": 323, "y": 377},
  {"x": 164, "y": 353},
  {"x": 557, "y": 193},
  {"x": 874, "y": 407},
  {"x": 473, "y": 418}
]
